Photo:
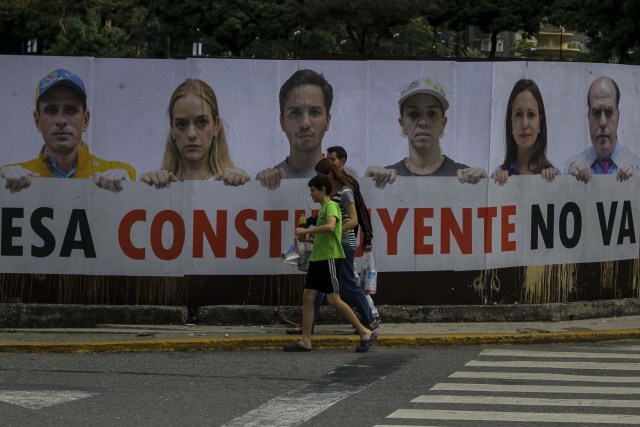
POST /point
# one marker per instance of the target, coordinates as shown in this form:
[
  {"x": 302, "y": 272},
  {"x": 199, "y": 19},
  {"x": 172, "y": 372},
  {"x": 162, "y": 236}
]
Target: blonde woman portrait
[{"x": 196, "y": 147}]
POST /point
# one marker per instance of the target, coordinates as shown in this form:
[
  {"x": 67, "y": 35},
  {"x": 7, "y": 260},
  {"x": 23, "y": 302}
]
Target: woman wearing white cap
[{"x": 422, "y": 119}]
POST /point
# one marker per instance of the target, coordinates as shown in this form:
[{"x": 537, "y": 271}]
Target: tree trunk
[{"x": 494, "y": 44}]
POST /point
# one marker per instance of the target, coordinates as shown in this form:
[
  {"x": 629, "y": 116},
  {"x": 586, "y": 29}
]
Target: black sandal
[
  {"x": 365, "y": 345},
  {"x": 295, "y": 347}
]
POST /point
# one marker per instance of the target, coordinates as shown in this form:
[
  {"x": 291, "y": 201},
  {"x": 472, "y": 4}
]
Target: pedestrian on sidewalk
[
  {"x": 338, "y": 156},
  {"x": 324, "y": 262},
  {"x": 344, "y": 195}
]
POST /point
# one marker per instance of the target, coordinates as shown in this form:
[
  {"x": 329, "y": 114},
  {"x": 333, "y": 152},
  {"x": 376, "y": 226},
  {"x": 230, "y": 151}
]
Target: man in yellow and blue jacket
[{"x": 61, "y": 116}]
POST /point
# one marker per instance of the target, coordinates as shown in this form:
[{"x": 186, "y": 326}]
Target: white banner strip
[{"x": 71, "y": 226}]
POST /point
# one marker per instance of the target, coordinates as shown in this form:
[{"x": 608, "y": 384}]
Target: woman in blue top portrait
[
  {"x": 526, "y": 135},
  {"x": 526, "y": 154}
]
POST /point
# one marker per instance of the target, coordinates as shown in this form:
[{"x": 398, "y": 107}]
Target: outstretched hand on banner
[
  {"x": 159, "y": 179},
  {"x": 581, "y": 170},
  {"x": 16, "y": 178},
  {"x": 471, "y": 175},
  {"x": 624, "y": 173},
  {"x": 111, "y": 180},
  {"x": 271, "y": 177},
  {"x": 233, "y": 177},
  {"x": 500, "y": 177},
  {"x": 381, "y": 175},
  {"x": 549, "y": 174}
]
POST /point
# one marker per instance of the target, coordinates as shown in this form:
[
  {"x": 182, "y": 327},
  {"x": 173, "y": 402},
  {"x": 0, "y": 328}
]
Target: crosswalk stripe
[
  {"x": 516, "y": 416},
  {"x": 299, "y": 405},
  {"x": 291, "y": 409},
  {"x": 534, "y": 388},
  {"x": 527, "y": 401},
  {"x": 402, "y": 425},
  {"x": 557, "y": 354},
  {"x": 38, "y": 399},
  {"x": 527, "y": 396},
  {"x": 557, "y": 365},
  {"x": 617, "y": 348},
  {"x": 544, "y": 377}
]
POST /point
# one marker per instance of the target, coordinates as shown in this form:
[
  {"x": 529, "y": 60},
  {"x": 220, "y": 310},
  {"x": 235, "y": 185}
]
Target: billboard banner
[
  {"x": 208, "y": 228},
  {"x": 463, "y": 165}
]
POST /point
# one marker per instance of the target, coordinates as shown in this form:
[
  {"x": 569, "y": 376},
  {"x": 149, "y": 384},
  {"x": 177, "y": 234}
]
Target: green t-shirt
[{"x": 327, "y": 245}]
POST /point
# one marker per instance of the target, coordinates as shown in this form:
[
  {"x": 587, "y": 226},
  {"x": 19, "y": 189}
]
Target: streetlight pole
[
  {"x": 561, "y": 42},
  {"x": 433, "y": 41}
]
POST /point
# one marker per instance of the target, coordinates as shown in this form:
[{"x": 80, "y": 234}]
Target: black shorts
[{"x": 323, "y": 276}]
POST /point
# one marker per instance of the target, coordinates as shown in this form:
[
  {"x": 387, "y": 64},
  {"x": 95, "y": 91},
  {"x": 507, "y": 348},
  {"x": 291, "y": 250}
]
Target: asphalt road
[{"x": 550, "y": 385}]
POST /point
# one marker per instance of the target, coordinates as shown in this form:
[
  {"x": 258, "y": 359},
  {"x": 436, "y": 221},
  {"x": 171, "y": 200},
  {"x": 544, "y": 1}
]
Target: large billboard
[{"x": 419, "y": 222}]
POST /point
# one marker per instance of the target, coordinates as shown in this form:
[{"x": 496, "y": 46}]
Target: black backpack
[{"x": 364, "y": 219}]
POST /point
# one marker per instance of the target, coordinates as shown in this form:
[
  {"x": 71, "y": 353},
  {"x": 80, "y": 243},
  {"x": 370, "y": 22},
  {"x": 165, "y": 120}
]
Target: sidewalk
[{"x": 621, "y": 321}]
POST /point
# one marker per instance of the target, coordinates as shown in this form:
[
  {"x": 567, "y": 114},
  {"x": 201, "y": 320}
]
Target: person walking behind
[
  {"x": 343, "y": 194},
  {"x": 338, "y": 156},
  {"x": 325, "y": 261}
]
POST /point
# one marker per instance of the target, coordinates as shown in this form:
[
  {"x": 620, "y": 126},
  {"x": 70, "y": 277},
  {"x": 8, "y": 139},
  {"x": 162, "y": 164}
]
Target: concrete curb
[
  {"x": 87, "y": 316},
  {"x": 320, "y": 342},
  {"x": 268, "y": 315}
]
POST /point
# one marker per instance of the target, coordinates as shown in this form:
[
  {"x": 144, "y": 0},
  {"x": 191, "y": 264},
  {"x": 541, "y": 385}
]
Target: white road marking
[
  {"x": 41, "y": 398},
  {"x": 303, "y": 403},
  {"x": 290, "y": 409},
  {"x": 557, "y": 354},
  {"x": 516, "y": 395},
  {"x": 527, "y": 388},
  {"x": 620, "y": 347},
  {"x": 530, "y": 417},
  {"x": 544, "y": 377},
  {"x": 557, "y": 365},
  {"x": 401, "y": 425},
  {"x": 527, "y": 401}
]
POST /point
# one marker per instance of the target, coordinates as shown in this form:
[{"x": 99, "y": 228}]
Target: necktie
[{"x": 604, "y": 165}]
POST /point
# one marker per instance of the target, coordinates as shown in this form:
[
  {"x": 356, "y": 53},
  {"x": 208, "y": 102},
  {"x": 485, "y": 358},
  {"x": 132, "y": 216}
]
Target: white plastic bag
[
  {"x": 291, "y": 255},
  {"x": 298, "y": 254},
  {"x": 304, "y": 250},
  {"x": 374, "y": 310},
  {"x": 369, "y": 274}
]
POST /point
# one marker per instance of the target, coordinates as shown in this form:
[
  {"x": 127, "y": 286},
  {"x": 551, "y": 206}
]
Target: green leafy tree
[
  {"x": 228, "y": 27},
  {"x": 254, "y": 27},
  {"x": 612, "y": 26},
  {"x": 496, "y": 16},
  {"x": 88, "y": 36},
  {"x": 365, "y": 25},
  {"x": 523, "y": 48},
  {"x": 14, "y": 18},
  {"x": 294, "y": 28},
  {"x": 416, "y": 39},
  {"x": 64, "y": 27}
]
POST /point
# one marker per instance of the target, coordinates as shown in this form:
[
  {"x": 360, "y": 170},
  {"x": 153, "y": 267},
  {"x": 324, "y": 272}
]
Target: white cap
[{"x": 425, "y": 85}]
